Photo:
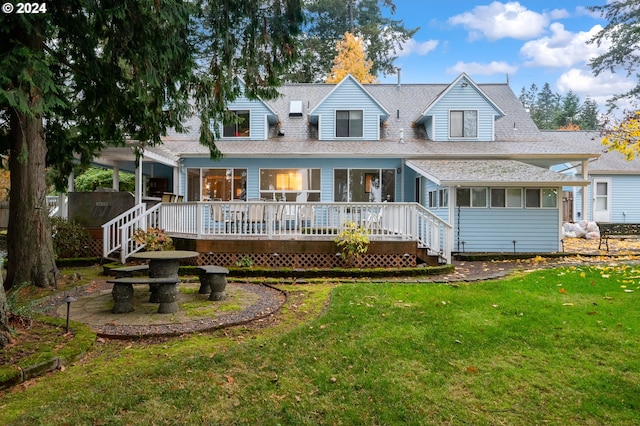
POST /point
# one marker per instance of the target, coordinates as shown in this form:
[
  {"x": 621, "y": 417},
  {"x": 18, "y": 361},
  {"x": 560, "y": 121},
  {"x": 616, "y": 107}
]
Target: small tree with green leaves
[{"x": 353, "y": 242}]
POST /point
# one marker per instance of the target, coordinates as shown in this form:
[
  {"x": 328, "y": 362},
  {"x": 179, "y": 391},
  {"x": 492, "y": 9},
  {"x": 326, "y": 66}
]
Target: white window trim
[
  {"x": 470, "y": 138},
  {"x": 506, "y": 188},
  {"x": 471, "y": 206},
  {"x": 222, "y": 136},
  {"x": 335, "y": 127},
  {"x": 441, "y": 204}
]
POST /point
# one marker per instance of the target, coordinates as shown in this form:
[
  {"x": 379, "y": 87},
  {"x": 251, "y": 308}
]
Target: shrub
[
  {"x": 154, "y": 239},
  {"x": 352, "y": 242},
  {"x": 70, "y": 239}
]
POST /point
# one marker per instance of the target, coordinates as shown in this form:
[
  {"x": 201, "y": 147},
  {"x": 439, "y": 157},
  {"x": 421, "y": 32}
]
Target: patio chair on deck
[
  {"x": 374, "y": 221},
  {"x": 218, "y": 218},
  {"x": 255, "y": 217},
  {"x": 168, "y": 197},
  {"x": 307, "y": 216}
]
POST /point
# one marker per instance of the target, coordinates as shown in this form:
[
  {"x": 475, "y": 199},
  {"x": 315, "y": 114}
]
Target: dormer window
[
  {"x": 238, "y": 127},
  {"x": 463, "y": 124},
  {"x": 349, "y": 124}
]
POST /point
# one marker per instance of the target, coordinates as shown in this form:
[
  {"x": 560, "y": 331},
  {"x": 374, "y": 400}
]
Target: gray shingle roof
[
  {"x": 490, "y": 172},
  {"x": 610, "y": 162},
  {"x": 517, "y": 137}
]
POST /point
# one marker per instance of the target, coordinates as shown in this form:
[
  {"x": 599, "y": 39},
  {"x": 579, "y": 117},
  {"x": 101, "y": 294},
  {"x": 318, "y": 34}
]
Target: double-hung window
[
  {"x": 237, "y": 126},
  {"x": 349, "y": 124},
  {"x": 443, "y": 197},
  {"x": 463, "y": 124}
]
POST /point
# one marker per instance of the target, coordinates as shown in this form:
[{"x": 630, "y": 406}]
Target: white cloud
[
  {"x": 563, "y": 48},
  {"x": 412, "y": 47},
  {"x": 475, "y": 68},
  {"x": 505, "y": 20},
  {"x": 584, "y": 84}
]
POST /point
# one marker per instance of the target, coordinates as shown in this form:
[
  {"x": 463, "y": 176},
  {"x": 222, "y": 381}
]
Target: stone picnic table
[{"x": 163, "y": 281}]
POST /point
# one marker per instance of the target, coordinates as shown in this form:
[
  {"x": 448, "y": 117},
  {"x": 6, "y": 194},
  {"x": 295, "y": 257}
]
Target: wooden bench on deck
[{"x": 617, "y": 230}]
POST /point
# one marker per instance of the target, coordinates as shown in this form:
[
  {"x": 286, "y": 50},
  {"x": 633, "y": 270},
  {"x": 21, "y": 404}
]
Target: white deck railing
[
  {"x": 282, "y": 220},
  {"x": 117, "y": 233}
]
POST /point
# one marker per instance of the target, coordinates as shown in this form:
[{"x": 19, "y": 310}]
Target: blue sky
[{"x": 533, "y": 41}]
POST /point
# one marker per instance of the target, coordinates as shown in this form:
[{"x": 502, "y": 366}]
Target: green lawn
[{"x": 557, "y": 346}]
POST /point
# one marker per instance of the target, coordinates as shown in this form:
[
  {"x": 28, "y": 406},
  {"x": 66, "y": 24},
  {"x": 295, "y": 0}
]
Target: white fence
[{"x": 281, "y": 220}]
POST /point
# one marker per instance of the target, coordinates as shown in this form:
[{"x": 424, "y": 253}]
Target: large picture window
[
  {"x": 216, "y": 184},
  {"x": 463, "y": 124},
  {"x": 349, "y": 124},
  {"x": 238, "y": 126},
  {"x": 290, "y": 184},
  {"x": 364, "y": 185}
]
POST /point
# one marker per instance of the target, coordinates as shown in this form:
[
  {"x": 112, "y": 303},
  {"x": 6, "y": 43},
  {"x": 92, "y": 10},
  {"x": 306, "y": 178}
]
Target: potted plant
[{"x": 154, "y": 239}]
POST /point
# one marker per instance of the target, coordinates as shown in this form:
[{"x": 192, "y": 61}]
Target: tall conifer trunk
[{"x": 29, "y": 230}]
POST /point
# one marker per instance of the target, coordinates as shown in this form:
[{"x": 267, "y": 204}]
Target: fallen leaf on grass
[{"x": 472, "y": 370}]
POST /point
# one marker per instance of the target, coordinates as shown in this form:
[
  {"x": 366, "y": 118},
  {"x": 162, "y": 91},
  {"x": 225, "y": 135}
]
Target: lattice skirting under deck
[{"x": 305, "y": 260}]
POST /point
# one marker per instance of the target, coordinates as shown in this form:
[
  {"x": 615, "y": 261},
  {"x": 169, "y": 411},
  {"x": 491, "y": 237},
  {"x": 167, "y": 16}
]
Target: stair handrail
[
  {"x": 111, "y": 231},
  {"x": 150, "y": 218}
]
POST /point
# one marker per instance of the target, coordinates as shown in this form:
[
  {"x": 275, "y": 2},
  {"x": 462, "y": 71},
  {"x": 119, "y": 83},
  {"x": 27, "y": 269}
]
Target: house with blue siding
[
  {"x": 466, "y": 154},
  {"x": 612, "y": 193}
]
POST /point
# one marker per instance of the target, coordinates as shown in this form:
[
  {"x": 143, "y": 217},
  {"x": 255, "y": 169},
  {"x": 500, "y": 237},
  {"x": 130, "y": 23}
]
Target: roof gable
[
  {"x": 463, "y": 81},
  {"x": 242, "y": 101},
  {"x": 349, "y": 83}
]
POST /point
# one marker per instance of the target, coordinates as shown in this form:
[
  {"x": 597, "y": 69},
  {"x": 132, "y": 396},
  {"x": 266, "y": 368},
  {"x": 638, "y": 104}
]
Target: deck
[{"x": 265, "y": 221}]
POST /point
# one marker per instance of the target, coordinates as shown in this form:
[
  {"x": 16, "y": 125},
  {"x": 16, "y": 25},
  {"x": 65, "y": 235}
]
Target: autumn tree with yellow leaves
[
  {"x": 624, "y": 135},
  {"x": 351, "y": 59}
]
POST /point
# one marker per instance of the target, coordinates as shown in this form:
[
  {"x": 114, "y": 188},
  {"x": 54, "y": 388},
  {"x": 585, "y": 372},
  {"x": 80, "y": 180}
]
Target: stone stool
[{"x": 213, "y": 280}]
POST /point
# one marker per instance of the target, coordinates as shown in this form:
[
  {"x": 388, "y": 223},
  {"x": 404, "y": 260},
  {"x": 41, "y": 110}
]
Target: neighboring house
[
  {"x": 468, "y": 152},
  {"x": 612, "y": 196}
]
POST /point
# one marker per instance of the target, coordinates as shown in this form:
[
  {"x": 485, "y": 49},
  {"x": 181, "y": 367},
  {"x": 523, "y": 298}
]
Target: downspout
[
  {"x": 138, "y": 192},
  {"x": 585, "y": 176},
  {"x": 115, "y": 182}
]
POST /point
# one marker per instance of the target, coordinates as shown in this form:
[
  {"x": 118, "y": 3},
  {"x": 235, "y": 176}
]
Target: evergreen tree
[
  {"x": 328, "y": 20},
  {"x": 90, "y": 74},
  {"x": 589, "y": 119},
  {"x": 547, "y": 106},
  {"x": 550, "y": 110},
  {"x": 623, "y": 35},
  {"x": 568, "y": 112}
]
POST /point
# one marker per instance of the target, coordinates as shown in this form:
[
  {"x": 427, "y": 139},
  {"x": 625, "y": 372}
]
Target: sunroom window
[
  {"x": 216, "y": 184},
  {"x": 290, "y": 184},
  {"x": 463, "y": 124},
  {"x": 506, "y": 197},
  {"x": 238, "y": 125},
  {"x": 471, "y": 197},
  {"x": 349, "y": 124}
]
